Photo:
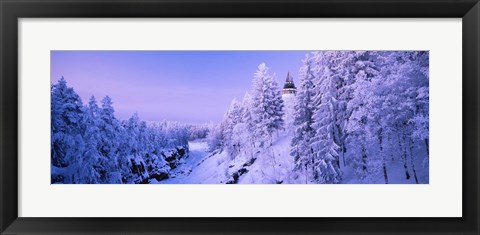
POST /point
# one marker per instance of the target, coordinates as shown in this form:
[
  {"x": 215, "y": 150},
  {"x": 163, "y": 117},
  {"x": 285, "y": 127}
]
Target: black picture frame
[{"x": 12, "y": 10}]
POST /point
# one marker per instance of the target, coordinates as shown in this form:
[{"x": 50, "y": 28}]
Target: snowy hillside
[
  {"x": 358, "y": 117},
  {"x": 273, "y": 166}
]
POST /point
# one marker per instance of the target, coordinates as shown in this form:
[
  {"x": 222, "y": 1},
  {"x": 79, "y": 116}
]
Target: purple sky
[{"x": 185, "y": 86}]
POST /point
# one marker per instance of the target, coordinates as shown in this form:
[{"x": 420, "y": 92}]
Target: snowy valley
[{"x": 352, "y": 117}]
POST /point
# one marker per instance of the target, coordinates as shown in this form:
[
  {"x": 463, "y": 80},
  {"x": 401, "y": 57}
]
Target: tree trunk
[
  {"x": 341, "y": 140},
  {"x": 314, "y": 173},
  {"x": 364, "y": 160},
  {"x": 426, "y": 145},
  {"x": 412, "y": 161},
  {"x": 389, "y": 140},
  {"x": 306, "y": 173},
  {"x": 385, "y": 172},
  {"x": 380, "y": 137},
  {"x": 336, "y": 141},
  {"x": 273, "y": 166},
  {"x": 404, "y": 158}
]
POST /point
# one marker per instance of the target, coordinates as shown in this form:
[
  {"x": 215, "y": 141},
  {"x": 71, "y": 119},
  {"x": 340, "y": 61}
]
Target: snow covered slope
[{"x": 271, "y": 166}]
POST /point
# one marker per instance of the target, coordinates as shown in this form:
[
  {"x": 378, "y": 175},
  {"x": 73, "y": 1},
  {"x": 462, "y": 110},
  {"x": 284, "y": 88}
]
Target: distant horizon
[{"x": 191, "y": 87}]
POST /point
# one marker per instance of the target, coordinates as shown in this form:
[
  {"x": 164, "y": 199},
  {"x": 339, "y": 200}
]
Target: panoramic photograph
[{"x": 239, "y": 117}]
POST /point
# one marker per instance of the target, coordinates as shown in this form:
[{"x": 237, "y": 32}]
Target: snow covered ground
[
  {"x": 203, "y": 167},
  {"x": 272, "y": 166},
  {"x": 184, "y": 173}
]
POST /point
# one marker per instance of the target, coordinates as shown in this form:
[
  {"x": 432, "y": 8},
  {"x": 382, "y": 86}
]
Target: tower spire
[
  {"x": 289, "y": 87},
  {"x": 289, "y": 78}
]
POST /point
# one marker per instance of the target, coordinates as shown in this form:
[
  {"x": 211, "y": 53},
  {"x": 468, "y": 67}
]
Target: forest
[{"x": 358, "y": 117}]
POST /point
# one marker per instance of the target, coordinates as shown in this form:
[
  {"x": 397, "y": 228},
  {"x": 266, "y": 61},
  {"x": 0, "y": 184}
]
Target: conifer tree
[
  {"x": 301, "y": 148},
  {"x": 66, "y": 141},
  {"x": 267, "y": 106},
  {"x": 324, "y": 144},
  {"x": 88, "y": 166}
]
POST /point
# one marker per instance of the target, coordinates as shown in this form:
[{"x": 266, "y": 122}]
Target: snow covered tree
[
  {"x": 66, "y": 141},
  {"x": 88, "y": 166},
  {"x": 412, "y": 80},
  {"x": 267, "y": 106},
  {"x": 389, "y": 103},
  {"x": 241, "y": 139},
  {"x": 365, "y": 122},
  {"x": 244, "y": 131},
  {"x": 108, "y": 143},
  {"x": 343, "y": 67},
  {"x": 132, "y": 141},
  {"x": 199, "y": 131},
  {"x": 232, "y": 118},
  {"x": 89, "y": 145},
  {"x": 324, "y": 143},
  {"x": 215, "y": 137},
  {"x": 301, "y": 148},
  {"x": 277, "y": 107}
]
